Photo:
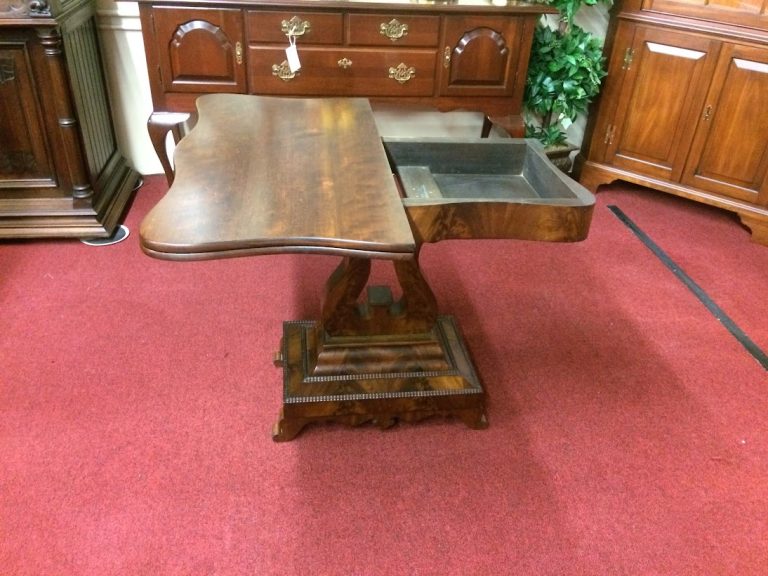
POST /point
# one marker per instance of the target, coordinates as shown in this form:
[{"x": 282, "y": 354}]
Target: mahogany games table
[{"x": 265, "y": 175}]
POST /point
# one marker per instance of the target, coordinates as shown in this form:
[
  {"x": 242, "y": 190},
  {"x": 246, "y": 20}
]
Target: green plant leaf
[{"x": 565, "y": 71}]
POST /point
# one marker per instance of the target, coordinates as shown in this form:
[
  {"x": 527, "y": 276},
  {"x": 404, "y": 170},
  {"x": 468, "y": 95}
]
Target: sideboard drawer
[
  {"x": 309, "y": 27},
  {"x": 393, "y": 30},
  {"x": 343, "y": 72}
]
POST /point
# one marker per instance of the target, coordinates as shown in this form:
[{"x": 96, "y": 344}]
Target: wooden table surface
[{"x": 261, "y": 175}]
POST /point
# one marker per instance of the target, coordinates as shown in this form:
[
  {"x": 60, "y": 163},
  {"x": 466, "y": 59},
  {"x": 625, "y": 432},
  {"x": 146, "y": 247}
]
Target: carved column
[{"x": 72, "y": 144}]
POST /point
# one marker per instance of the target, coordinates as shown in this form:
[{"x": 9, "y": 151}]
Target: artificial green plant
[{"x": 564, "y": 73}]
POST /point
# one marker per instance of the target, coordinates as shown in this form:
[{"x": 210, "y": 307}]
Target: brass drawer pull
[
  {"x": 344, "y": 63},
  {"x": 283, "y": 71},
  {"x": 393, "y": 29},
  {"x": 402, "y": 73},
  {"x": 295, "y": 27}
]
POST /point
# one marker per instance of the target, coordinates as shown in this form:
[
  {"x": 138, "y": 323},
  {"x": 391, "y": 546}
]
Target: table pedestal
[
  {"x": 380, "y": 361},
  {"x": 382, "y": 380}
]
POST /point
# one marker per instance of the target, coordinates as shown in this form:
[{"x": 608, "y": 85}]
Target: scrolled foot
[
  {"x": 286, "y": 430},
  {"x": 475, "y": 419},
  {"x": 384, "y": 422}
]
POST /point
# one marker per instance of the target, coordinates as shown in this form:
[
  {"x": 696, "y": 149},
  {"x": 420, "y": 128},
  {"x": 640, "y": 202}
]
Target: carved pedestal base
[{"x": 384, "y": 379}]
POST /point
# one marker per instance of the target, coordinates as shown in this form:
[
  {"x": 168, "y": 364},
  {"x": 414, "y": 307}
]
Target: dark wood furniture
[
  {"x": 61, "y": 173},
  {"x": 448, "y": 55},
  {"x": 323, "y": 184},
  {"x": 683, "y": 109}
]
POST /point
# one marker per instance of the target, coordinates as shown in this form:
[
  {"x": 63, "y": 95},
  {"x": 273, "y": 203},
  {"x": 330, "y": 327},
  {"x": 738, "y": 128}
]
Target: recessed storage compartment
[{"x": 478, "y": 188}]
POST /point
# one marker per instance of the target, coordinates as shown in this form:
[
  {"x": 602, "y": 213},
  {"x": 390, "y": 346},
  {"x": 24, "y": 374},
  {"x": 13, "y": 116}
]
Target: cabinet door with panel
[
  {"x": 729, "y": 155},
  {"x": 25, "y": 160},
  {"x": 664, "y": 84},
  {"x": 481, "y": 56},
  {"x": 201, "y": 49}
]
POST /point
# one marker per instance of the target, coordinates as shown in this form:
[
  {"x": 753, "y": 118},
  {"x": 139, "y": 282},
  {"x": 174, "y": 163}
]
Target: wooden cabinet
[
  {"x": 683, "y": 111},
  {"x": 456, "y": 55},
  {"x": 61, "y": 173}
]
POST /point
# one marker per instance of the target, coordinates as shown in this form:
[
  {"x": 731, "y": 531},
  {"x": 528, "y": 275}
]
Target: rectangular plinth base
[{"x": 376, "y": 379}]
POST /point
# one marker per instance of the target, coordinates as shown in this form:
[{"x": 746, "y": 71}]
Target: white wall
[
  {"x": 125, "y": 63},
  {"x": 127, "y": 80}
]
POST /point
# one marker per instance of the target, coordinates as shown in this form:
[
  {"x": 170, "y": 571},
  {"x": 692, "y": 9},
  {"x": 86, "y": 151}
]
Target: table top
[{"x": 264, "y": 175}]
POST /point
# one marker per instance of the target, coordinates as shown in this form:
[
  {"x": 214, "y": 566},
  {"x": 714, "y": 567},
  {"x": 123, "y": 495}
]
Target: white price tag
[{"x": 292, "y": 55}]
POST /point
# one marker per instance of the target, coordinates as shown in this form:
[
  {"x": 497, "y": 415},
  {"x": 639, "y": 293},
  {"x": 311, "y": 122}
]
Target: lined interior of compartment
[
  {"x": 474, "y": 171},
  {"x": 422, "y": 182}
]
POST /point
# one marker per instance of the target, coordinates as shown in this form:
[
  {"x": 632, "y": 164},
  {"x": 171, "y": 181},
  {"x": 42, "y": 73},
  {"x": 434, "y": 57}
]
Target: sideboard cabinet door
[
  {"x": 729, "y": 155},
  {"x": 481, "y": 56},
  {"x": 201, "y": 49}
]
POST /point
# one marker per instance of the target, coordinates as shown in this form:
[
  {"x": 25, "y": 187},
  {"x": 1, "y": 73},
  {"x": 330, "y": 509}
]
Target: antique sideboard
[
  {"x": 61, "y": 173},
  {"x": 684, "y": 107},
  {"x": 461, "y": 54}
]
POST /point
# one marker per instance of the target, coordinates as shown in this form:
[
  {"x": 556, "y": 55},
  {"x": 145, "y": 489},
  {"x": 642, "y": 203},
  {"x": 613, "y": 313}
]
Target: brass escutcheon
[{"x": 344, "y": 63}]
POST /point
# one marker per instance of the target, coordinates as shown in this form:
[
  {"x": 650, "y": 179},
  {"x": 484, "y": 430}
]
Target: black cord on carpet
[{"x": 718, "y": 312}]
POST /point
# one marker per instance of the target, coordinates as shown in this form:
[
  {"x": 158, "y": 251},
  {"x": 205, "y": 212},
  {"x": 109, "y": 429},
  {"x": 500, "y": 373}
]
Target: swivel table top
[{"x": 260, "y": 175}]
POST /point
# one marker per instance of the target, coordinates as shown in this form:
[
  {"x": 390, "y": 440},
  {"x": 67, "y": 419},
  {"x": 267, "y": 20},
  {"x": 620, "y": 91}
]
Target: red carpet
[{"x": 627, "y": 427}]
